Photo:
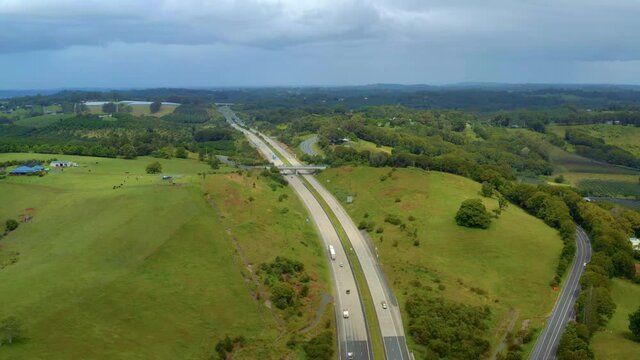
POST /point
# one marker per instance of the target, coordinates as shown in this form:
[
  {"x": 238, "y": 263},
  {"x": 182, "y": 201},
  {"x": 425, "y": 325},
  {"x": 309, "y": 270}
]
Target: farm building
[
  {"x": 57, "y": 164},
  {"x": 27, "y": 170}
]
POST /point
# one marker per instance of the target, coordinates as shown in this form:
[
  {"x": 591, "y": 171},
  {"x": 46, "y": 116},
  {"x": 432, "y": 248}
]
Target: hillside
[
  {"x": 120, "y": 264},
  {"x": 507, "y": 267}
]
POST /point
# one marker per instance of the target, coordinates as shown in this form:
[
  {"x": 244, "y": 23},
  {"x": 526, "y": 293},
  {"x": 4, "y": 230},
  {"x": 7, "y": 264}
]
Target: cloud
[{"x": 585, "y": 30}]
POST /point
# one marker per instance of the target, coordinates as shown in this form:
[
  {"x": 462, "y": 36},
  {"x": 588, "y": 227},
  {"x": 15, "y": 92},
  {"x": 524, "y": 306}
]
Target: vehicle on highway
[
  {"x": 348, "y": 291},
  {"x": 349, "y": 355},
  {"x": 585, "y": 264},
  {"x": 341, "y": 265},
  {"x": 384, "y": 304},
  {"x": 332, "y": 252},
  {"x": 345, "y": 314}
]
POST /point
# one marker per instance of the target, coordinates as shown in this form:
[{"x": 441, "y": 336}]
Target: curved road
[
  {"x": 547, "y": 343},
  {"x": 307, "y": 145},
  {"x": 352, "y": 331},
  {"x": 389, "y": 319}
]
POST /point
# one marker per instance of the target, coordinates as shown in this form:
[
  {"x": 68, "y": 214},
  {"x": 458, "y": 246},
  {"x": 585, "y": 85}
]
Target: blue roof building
[{"x": 26, "y": 170}]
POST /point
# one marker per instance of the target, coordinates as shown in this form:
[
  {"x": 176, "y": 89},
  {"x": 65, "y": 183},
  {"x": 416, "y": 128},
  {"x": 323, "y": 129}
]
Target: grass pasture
[
  {"x": 614, "y": 341},
  {"x": 137, "y": 109},
  {"x": 626, "y": 137},
  {"x": 148, "y": 270},
  {"x": 452, "y": 260},
  {"x": 42, "y": 120},
  {"x": 361, "y": 145},
  {"x": 599, "y": 178}
]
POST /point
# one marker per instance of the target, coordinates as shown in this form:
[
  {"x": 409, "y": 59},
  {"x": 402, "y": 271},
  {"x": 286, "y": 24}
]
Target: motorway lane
[
  {"x": 389, "y": 319},
  {"x": 352, "y": 332},
  {"x": 547, "y": 344}
]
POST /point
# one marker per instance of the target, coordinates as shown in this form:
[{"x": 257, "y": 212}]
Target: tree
[
  {"x": 154, "y": 168},
  {"x": 623, "y": 264},
  {"x": 10, "y": 330},
  {"x": 181, "y": 153},
  {"x": 155, "y": 107},
  {"x": 487, "y": 189},
  {"x": 109, "y": 108},
  {"x": 473, "y": 213},
  {"x": 10, "y": 225},
  {"x": 127, "y": 151},
  {"x": 634, "y": 324},
  {"x": 503, "y": 202}
]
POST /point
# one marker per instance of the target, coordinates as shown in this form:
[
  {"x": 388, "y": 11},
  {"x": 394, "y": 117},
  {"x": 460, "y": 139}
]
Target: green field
[
  {"x": 498, "y": 261},
  {"x": 42, "y": 120},
  {"x": 626, "y": 137},
  {"x": 614, "y": 341},
  {"x": 137, "y": 110},
  {"x": 149, "y": 270},
  {"x": 361, "y": 145},
  {"x": 600, "y": 178}
]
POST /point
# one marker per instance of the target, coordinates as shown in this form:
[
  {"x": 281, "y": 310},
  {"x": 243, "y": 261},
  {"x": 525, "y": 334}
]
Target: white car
[
  {"x": 349, "y": 355},
  {"x": 341, "y": 264},
  {"x": 345, "y": 314},
  {"x": 384, "y": 304}
]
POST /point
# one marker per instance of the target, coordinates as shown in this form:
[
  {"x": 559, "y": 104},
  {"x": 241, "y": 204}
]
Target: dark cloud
[{"x": 326, "y": 41}]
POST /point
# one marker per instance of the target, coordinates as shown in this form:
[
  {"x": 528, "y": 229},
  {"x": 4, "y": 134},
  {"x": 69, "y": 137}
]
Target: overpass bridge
[{"x": 301, "y": 169}]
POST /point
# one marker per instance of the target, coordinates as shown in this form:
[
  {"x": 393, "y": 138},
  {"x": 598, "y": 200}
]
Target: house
[
  {"x": 635, "y": 243},
  {"x": 58, "y": 164},
  {"x": 27, "y": 170}
]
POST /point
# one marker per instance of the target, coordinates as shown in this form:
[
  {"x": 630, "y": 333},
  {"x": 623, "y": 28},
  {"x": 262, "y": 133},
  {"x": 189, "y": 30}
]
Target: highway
[
  {"x": 547, "y": 343},
  {"x": 389, "y": 319},
  {"x": 352, "y": 331}
]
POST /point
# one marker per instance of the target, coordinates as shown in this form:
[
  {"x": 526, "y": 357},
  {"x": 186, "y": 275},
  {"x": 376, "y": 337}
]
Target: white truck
[{"x": 332, "y": 252}]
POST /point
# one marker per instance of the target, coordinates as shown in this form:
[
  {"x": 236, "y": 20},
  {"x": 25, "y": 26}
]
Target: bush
[
  {"x": 10, "y": 330},
  {"x": 320, "y": 347},
  {"x": 393, "y": 219},
  {"x": 472, "y": 213},
  {"x": 634, "y": 324},
  {"x": 154, "y": 168},
  {"x": 10, "y": 225}
]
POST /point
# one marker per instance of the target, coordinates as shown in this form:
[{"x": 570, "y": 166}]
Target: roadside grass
[
  {"x": 375, "y": 335},
  {"x": 625, "y": 137},
  {"x": 42, "y": 120},
  {"x": 615, "y": 342},
  {"x": 267, "y": 223},
  {"x": 146, "y": 270},
  {"x": 493, "y": 267}
]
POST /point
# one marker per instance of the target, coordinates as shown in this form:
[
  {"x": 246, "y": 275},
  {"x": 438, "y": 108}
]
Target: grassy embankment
[
  {"x": 361, "y": 145},
  {"x": 509, "y": 265},
  {"x": 148, "y": 270},
  {"x": 614, "y": 341}
]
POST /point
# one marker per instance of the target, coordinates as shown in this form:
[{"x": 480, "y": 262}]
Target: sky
[{"x": 47, "y": 44}]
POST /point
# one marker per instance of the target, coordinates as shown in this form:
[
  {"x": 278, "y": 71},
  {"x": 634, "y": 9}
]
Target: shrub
[
  {"x": 11, "y": 225},
  {"x": 393, "y": 219},
  {"x": 154, "y": 168}
]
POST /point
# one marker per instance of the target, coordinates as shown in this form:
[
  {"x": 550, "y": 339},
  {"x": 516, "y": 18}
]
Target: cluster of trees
[
  {"x": 447, "y": 329},
  {"x": 474, "y": 214},
  {"x": 595, "y": 148},
  {"x": 287, "y": 280}
]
